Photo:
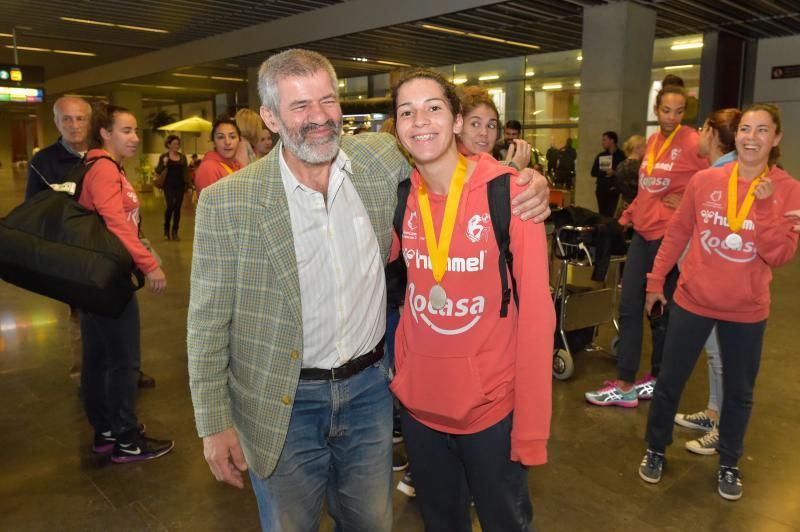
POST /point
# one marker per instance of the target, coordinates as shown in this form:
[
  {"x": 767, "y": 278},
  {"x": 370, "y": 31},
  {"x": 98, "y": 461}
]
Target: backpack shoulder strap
[
  {"x": 499, "y": 193},
  {"x": 403, "y": 190},
  {"x": 78, "y": 172}
]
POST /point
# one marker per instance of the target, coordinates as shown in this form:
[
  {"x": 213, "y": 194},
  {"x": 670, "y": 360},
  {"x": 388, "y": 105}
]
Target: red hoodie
[
  {"x": 717, "y": 282},
  {"x": 671, "y": 173},
  {"x": 212, "y": 170},
  {"x": 462, "y": 369},
  {"x": 106, "y": 190}
]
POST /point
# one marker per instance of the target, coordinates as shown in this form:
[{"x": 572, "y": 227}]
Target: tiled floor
[{"x": 50, "y": 481}]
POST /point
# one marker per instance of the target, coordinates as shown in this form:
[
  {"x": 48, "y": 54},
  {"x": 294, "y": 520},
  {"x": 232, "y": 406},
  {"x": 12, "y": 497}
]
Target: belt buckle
[{"x": 334, "y": 377}]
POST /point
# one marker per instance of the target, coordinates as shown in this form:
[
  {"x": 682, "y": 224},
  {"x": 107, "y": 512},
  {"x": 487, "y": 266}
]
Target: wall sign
[
  {"x": 14, "y": 74},
  {"x": 786, "y": 72}
]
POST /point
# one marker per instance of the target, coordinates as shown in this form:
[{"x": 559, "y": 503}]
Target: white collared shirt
[{"x": 342, "y": 285}]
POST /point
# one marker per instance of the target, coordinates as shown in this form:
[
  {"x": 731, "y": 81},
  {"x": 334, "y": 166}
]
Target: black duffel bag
[{"x": 54, "y": 246}]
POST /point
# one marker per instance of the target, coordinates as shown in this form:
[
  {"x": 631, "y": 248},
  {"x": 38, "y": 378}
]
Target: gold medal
[
  {"x": 652, "y": 158},
  {"x": 736, "y": 219},
  {"x": 438, "y": 250}
]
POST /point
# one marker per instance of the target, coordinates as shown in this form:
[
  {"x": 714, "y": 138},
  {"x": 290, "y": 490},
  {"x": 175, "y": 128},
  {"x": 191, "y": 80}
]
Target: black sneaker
[
  {"x": 651, "y": 467},
  {"x": 406, "y": 486},
  {"x": 729, "y": 483},
  {"x": 399, "y": 459},
  {"x": 142, "y": 448},
  {"x": 104, "y": 441}
]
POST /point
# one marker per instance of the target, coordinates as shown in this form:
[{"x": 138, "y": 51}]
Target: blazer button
[
  {"x": 286, "y": 400},
  {"x": 295, "y": 355}
]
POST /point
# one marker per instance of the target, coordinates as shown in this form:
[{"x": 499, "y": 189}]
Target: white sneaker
[{"x": 706, "y": 445}]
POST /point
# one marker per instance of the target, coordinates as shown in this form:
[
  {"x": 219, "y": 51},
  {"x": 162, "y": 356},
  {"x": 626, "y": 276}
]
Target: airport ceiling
[{"x": 551, "y": 25}]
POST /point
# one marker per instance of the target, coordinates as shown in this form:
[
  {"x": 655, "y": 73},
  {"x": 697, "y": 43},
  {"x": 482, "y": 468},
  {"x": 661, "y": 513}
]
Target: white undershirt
[{"x": 342, "y": 286}]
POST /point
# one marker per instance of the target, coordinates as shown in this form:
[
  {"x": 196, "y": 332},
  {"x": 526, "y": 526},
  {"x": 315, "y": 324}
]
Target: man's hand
[
  {"x": 533, "y": 202},
  {"x": 672, "y": 200},
  {"x": 651, "y": 298},
  {"x": 225, "y": 457},
  {"x": 794, "y": 217}
]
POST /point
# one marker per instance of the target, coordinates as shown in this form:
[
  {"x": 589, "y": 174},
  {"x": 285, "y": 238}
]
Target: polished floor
[{"x": 49, "y": 480}]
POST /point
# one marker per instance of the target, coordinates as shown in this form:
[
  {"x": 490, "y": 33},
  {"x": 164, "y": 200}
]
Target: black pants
[
  {"x": 740, "y": 346},
  {"x": 638, "y": 263},
  {"x": 111, "y": 359},
  {"x": 607, "y": 198},
  {"x": 174, "y": 197},
  {"x": 447, "y": 469}
]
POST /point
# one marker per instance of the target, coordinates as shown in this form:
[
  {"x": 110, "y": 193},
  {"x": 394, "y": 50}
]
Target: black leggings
[
  {"x": 174, "y": 197},
  {"x": 447, "y": 468},
  {"x": 638, "y": 263},
  {"x": 740, "y": 347}
]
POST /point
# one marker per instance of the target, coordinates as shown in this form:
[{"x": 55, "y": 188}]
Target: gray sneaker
[
  {"x": 706, "y": 445},
  {"x": 730, "y": 483},
  {"x": 651, "y": 467},
  {"x": 698, "y": 420}
]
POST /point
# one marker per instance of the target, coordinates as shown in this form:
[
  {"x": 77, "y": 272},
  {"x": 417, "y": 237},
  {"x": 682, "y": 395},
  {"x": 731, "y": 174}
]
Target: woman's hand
[
  {"x": 764, "y": 189},
  {"x": 794, "y": 217},
  {"x": 157, "y": 280},
  {"x": 672, "y": 200},
  {"x": 652, "y": 298},
  {"x": 519, "y": 153}
]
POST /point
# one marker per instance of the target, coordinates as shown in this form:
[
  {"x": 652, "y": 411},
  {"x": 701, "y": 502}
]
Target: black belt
[{"x": 346, "y": 370}]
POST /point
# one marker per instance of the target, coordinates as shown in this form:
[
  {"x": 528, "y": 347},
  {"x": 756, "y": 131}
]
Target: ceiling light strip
[
  {"x": 112, "y": 25},
  {"x": 481, "y": 36}
]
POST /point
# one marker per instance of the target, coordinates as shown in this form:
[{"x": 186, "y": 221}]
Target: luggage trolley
[{"x": 580, "y": 309}]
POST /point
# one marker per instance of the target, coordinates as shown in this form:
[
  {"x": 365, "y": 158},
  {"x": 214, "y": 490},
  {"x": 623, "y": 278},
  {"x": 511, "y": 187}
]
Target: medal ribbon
[
  {"x": 736, "y": 220},
  {"x": 651, "y": 159},
  {"x": 438, "y": 251},
  {"x": 226, "y": 168}
]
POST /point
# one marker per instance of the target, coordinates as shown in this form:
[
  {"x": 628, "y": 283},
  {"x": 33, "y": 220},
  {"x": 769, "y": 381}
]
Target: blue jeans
[{"x": 339, "y": 445}]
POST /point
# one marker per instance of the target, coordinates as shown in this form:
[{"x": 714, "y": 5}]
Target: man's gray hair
[
  {"x": 64, "y": 99},
  {"x": 294, "y": 62}
]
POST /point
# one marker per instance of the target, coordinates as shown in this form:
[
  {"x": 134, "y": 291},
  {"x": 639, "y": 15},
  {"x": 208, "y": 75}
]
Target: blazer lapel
[{"x": 276, "y": 230}]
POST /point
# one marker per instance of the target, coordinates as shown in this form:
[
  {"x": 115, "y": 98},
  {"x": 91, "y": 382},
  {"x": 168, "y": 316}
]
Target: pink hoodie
[
  {"x": 715, "y": 281},
  {"x": 462, "y": 369},
  {"x": 107, "y": 191},
  {"x": 671, "y": 173},
  {"x": 211, "y": 170}
]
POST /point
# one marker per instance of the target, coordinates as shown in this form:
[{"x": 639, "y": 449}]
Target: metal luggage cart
[{"x": 580, "y": 309}]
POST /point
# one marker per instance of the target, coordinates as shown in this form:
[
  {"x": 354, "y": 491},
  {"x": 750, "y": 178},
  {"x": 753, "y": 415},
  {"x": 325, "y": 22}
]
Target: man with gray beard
[{"x": 287, "y": 309}]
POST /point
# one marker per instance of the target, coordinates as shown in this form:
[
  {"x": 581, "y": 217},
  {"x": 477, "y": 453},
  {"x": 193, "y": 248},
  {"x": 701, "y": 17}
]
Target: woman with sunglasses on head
[
  {"x": 221, "y": 161},
  {"x": 718, "y": 144},
  {"x": 734, "y": 217},
  {"x": 670, "y": 160},
  {"x": 475, "y": 387},
  {"x": 111, "y": 353}
]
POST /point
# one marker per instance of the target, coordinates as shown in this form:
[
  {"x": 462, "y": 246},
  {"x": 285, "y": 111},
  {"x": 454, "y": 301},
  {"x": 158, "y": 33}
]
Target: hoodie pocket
[{"x": 442, "y": 389}]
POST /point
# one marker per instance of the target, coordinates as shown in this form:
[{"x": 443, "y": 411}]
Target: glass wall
[{"x": 543, "y": 90}]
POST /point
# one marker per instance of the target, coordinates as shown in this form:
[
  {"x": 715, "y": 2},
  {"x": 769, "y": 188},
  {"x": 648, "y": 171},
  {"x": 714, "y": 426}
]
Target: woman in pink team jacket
[
  {"x": 475, "y": 387},
  {"x": 734, "y": 218}
]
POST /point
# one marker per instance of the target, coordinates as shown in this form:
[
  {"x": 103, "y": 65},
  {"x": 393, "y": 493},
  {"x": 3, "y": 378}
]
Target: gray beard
[{"x": 308, "y": 152}]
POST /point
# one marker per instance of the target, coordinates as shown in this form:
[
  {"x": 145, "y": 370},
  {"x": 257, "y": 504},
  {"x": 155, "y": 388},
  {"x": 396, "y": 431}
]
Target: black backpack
[
  {"x": 54, "y": 246},
  {"x": 498, "y": 191}
]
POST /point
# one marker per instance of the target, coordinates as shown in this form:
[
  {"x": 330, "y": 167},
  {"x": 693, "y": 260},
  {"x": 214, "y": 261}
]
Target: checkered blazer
[{"x": 245, "y": 332}]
